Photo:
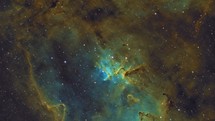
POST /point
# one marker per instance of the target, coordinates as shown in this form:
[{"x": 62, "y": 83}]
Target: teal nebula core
[{"x": 96, "y": 88}]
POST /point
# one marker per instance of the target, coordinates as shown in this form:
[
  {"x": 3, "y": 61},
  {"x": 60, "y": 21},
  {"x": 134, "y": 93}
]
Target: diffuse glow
[{"x": 107, "y": 60}]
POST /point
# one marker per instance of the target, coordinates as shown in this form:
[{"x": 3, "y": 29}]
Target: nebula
[{"x": 107, "y": 60}]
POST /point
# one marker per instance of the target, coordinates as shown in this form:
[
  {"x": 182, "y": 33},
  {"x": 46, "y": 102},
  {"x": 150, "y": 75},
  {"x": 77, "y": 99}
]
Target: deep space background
[{"x": 107, "y": 60}]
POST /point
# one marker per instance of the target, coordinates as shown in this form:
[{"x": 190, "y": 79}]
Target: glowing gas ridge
[{"x": 110, "y": 69}]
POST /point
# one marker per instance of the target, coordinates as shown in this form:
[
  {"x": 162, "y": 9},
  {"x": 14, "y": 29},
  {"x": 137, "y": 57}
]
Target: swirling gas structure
[{"x": 107, "y": 60}]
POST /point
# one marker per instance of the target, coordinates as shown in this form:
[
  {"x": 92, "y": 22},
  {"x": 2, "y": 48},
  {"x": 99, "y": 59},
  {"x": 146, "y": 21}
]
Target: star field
[{"x": 107, "y": 60}]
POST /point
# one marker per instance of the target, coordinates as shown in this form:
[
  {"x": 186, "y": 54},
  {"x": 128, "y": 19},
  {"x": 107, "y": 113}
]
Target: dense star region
[{"x": 107, "y": 60}]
